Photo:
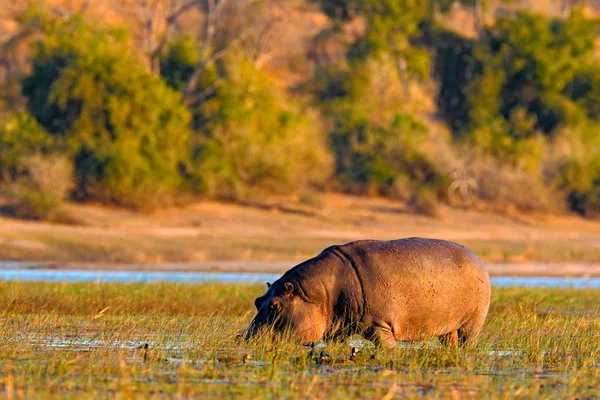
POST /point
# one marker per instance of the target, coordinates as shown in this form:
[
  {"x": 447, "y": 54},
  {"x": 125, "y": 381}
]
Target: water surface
[{"x": 56, "y": 275}]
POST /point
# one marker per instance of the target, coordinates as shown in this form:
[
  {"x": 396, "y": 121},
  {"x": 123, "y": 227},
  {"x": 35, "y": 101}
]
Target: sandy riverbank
[{"x": 233, "y": 237}]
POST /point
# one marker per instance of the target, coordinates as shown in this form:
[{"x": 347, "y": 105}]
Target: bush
[
  {"x": 508, "y": 93},
  {"x": 20, "y": 137},
  {"x": 371, "y": 158},
  {"x": 505, "y": 186},
  {"x": 496, "y": 139},
  {"x": 255, "y": 136},
  {"x": 42, "y": 184},
  {"x": 312, "y": 198},
  {"x": 425, "y": 201},
  {"x": 575, "y": 166},
  {"x": 179, "y": 61},
  {"x": 379, "y": 147},
  {"x": 126, "y": 131}
]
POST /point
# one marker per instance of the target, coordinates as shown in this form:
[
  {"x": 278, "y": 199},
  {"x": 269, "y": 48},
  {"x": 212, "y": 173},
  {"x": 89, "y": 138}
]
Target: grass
[
  {"x": 138, "y": 248},
  {"x": 80, "y": 340},
  {"x": 58, "y": 246},
  {"x": 542, "y": 250}
]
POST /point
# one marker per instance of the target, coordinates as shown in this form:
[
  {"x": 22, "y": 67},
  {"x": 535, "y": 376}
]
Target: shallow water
[
  {"x": 10, "y": 273},
  {"x": 41, "y": 275}
]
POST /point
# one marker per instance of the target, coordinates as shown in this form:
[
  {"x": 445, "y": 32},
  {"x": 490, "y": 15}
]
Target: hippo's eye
[{"x": 274, "y": 306}]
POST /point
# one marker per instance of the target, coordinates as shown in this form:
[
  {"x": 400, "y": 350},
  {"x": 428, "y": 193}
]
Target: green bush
[
  {"x": 379, "y": 148},
  {"x": 525, "y": 98},
  {"x": 21, "y": 136},
  {"x": 518, "y": 82},
  {"x": 377, "y": 159},
  {"x": 126, "y": 131},
  {"x": 576, "y": 166},
  {"x": 180, "y": 60},
  {"x": 379, "y": 145},
  {"x": 255, "y": 136},
  {"x": 393, "y": 27}
]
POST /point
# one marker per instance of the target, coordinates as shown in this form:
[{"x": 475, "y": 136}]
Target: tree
[
  {"x": 517, "y": 84},
  {"x": 21, "y": 137},
  {"x": 377, "y": 143},
  {"x": 379, "y": 147},
  {"x": 222, "y": 24},
  {"x": 125, "y": 129},
  {"x": 254, "y": 137}
]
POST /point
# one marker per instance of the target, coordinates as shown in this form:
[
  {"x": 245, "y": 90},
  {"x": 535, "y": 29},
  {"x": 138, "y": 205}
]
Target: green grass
[{"x": 79, "y": 341}]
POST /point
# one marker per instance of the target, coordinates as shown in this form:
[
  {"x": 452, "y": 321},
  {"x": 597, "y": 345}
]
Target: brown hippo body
[{"x": 406, "y": 289}]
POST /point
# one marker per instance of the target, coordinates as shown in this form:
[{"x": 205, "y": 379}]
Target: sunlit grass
[
  {"x": 81, "y": 340},
  {"x": 91, "y": 247}
]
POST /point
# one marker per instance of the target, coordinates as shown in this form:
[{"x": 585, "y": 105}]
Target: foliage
[
  {"x": 180, "y": 60},
  {"x": 526, "y": 90},
  {"x": 578, "y": 166},
  {"x": 455, "y": 68},
  {"x": 379, "y": 145},
  {"x": 378, "y": 148},
  {"x": 393, "y": 27},
  {"x": 21, "y": 137},
  {"x": 522, "y": 100},
  {"x": 41, "y": 186},
  {"x": 125, "y": 129},
  {"x": 373, "y": 158},
  {"x": 177, "y": 64},
  {"x": 520, "y": 83},
  {"x": 253, "y": 136}
]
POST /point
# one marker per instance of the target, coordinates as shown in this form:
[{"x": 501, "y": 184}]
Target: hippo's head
[{"x": 286, "y": 308}]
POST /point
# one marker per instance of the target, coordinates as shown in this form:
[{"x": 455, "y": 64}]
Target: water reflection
[{"x": 10, "y": 273}]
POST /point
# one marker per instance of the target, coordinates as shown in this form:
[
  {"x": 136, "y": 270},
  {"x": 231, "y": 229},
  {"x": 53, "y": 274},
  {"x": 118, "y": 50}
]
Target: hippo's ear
[
  {"x": 268, "y": 285},
  {"x": 289, "y": 288}
]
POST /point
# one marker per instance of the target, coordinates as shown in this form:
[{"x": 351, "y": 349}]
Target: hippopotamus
[{"x": 399, "y": 290}]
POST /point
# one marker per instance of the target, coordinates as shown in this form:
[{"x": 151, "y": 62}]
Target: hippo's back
[
  {"x": 419, "y": 285},
  {"x": 395, "y": 259}
]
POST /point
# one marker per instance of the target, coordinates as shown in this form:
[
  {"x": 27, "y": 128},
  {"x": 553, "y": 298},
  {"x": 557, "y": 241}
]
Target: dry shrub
[
  {"x": 504, "y": 186},
  {"x": 312, "y": 198},
  {"x": 44, "y": 182},
  {"x": 574, "y": 164},
  {"x": 401, "y": 189},
  {"x": 425, "y": 201}
]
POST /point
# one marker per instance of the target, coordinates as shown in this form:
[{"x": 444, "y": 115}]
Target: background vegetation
[{"x": 404, "y": 106}]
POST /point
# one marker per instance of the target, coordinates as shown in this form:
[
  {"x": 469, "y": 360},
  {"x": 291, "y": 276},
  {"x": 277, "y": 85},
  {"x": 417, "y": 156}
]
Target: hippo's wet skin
[{"x": 407, "y": 290}]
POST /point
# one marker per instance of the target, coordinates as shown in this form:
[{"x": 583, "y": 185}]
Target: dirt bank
[{"x": 209, "y": 231}]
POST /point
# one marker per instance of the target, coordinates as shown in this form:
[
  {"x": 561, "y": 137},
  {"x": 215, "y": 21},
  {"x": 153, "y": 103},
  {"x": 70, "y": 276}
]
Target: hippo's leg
[
  {"x": 450, "y": 339},
  {"x": 469, "y": 332},
  {"x": 381, "y": 336}
]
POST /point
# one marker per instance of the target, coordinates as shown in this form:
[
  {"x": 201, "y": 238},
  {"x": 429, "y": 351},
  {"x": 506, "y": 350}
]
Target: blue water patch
[
  {"x": 548, "y": 282},
  {"x": 41, "y": 275},
  {"x": 57, "y": 275}
]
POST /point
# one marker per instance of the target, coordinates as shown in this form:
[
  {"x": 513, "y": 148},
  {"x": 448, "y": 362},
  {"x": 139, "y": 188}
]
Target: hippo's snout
[{"x": 252, "y": 330}]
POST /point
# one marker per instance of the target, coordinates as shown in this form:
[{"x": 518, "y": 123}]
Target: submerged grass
[{"x": 81, "y": 340}]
